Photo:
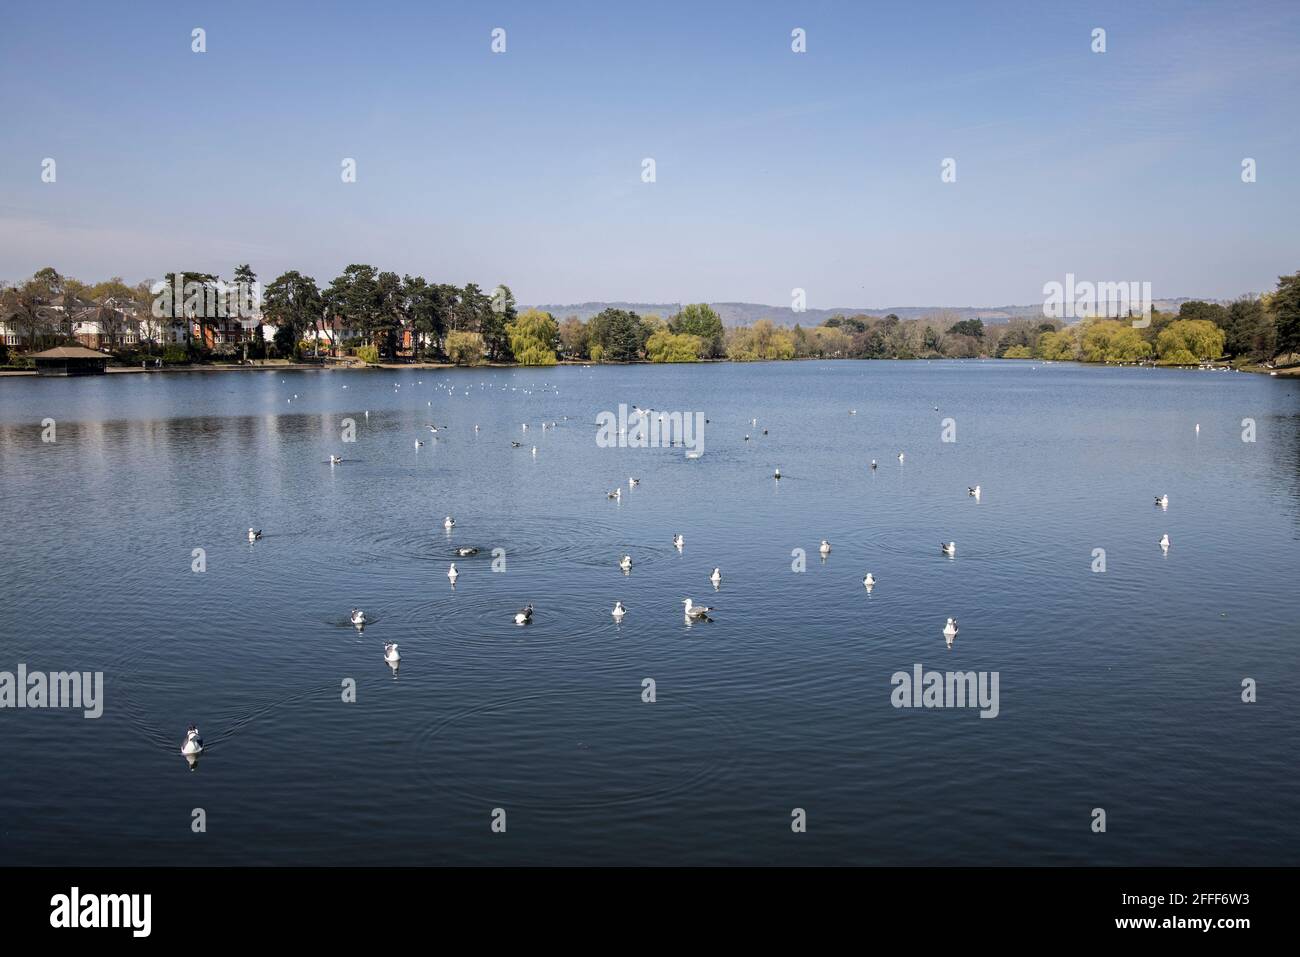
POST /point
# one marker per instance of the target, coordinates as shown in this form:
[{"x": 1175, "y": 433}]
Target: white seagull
[
  {"x": 950, "y": 548},
  {"x": 192, "y": 744},
  {"x": 625, "y": 563},
  {"x": 358, "y": 617},
  {"x": 870, "y": 580},
  {"x": 973, "y": 490},
  {"x": 254, "y": 535},
  {"x": 950, "y": 629},
  {"x": 633, "y": 482},
  {"x": 524, "y": 615},
  {"x": 825, "y": 547},
  {"x": 390, "y": 653},
  {"x": 452, "y": 573},
  {"x": 716, "y": 577},
  {"x": 696, "y": 612},
  {"x": 619, "y": 611},
  {"x": 776, "y": 474},
  {"x": 1164, "y": 541},
  {"x": 1162, "y": 501},
  {"x": 448, "y": 523},
  {"x": 679, "y": 541}
]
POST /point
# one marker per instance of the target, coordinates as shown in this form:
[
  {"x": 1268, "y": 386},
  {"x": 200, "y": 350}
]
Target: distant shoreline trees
[{"x": 380, "y": 316}]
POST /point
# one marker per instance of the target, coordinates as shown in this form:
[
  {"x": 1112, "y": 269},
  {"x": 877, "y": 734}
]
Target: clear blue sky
[{"x": 774, "y": 170}]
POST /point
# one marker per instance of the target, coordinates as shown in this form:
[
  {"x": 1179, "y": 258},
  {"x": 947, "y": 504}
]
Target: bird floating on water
[
  {"x": 679, "y": 540},
  {"x": 948, "y": 548},
  {"x": 619, "y": 611},
  {"x": 873, "y": 465},
  {"x": 254, "y": 535},
  {"x": 625, "y": 563},
  {"x": 390, "y": 652},
  {"x": 516, "y": 445},
  {"x": 615, "y": 494},
  {"x": 900, "y": 456},
  {"x": 448, "y": 522},
  {"x": 776, "y": 474},
  {"x": 950, "y": 629},
  {"x": 358, "y": 617},
  {"x": 193, "y": 744},
  {"x": 696, "y": 612},
  {"x": 1164, "y": 541},
  {"x": 1162, "y": 501},
  {"x": 869, "y": 580},
  {"x": 465, "y": 551},
  {"x": 419, "y": 444},
  {"x": 335, "y": 459},
  {"x": 452, "y": 573},
  {"x": 524, "y": 615},
  {"x": 716, "y": 577},
  {"x": 825, "y": 547},
  {"x": 633, "y": 482},
  {"x": 973, "y": 490}
]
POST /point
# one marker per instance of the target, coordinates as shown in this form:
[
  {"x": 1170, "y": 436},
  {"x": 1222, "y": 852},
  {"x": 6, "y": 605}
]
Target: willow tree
[{"x": 534, "y": 338}]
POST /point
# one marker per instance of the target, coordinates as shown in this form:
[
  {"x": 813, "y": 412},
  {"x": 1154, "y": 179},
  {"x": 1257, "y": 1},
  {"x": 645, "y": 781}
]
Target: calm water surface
[{"x": 1119, "y": 690}]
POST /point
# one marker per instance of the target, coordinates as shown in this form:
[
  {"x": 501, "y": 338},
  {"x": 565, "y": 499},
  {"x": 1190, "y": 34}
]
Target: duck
[
  {"x": 716, "y": 577},
  {"x": 619, "y": 611},
  {"x": 825, "y": 547},
  {"x": 948, "y": 548},
  {"x": 452, "y": 573},
  {"x": 696, "y": 612},
  {"x": 973, "y": 490},
  {"x": 679, "y": 540},
  {"x": 254, "y": 534},
  {"x": 1164, "y": 541},
  {"x": 524, "y": 615},
  {"x": 625, "y": 563},
  {"x": 465, "y": 551},
  {"x": 869, "y": 580},
  {"x": 448, "y": 523},
  {"x": 193, "y": 744},
  {"x": 1162, "y": 501},
  {"x": 390, "y": 653},
  {"x": 950, "y": 629},
  {"x": 358, "y": 617}
]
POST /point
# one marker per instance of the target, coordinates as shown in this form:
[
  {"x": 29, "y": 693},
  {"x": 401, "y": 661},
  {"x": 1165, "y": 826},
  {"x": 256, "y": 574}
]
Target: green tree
[
  {"x": 494, "y": 323},
  {"x": 293, "y": 303},
  {"x": 465, "y": 348},
  {"x": 619, "y": 334},
  {"x": 1188, "y": 341},
  {"x": 667, "y": 346},
  {"x": 534, "y": 338},
  {"x": 1249, "y": 329},
  {"x": 574, "y": 338},
  {"x": 1285, "y": 306},
  {"x": 698, "y": 319}
]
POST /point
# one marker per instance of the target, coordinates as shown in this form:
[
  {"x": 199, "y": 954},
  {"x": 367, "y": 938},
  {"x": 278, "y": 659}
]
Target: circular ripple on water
[{"x": 560, "y": 749}]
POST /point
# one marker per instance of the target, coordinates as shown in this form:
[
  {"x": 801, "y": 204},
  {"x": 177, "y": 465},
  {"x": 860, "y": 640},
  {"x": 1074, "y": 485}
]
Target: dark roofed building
[{"x": 70, "y": 360}]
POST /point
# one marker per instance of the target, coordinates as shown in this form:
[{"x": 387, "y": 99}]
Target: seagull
[
  {"x": 335, "y": 459},
  {"x": 1162, "y": 501},
  {"x": 419, "y": 444},
  {"x": 716, "y": 577},
  {"x": 679, "y": 541},
  {"x": 747, "y": 438},
  {"x": 1164, "y": 541},
  {"x": 949, "y": 549},
  {"x": 358, "y": 617},
  {"x": 869, "y": 580},
  {"x": 950, "y": 629},
  {"x": 825, "y": 548},
  {"x": 619, "y": 611},
  {"x": 465, "y": 551},
  {"x": 192, "y": 744},
  {"x": 853, "y": 411},
  {"x": 1198, "y": 428},
  {"x": 449, "y": 523},
  {"x": 776, "y": 474},
  {"x": 900, "y": 456},
  {"x": 390, "y": 653},
  {"x": 516, "y": 445},
  {"x": 524, "y": 615},
  {"x": 534, "y": 451},
  {"x": 452, "y": 573},
  {"x": 633, "y": 482},
  {"x": 696, "y": 612},
  {"x": 973, "y": 490},
  {"x": 616, "y": 494},
  {"x": 254, "y": 535},
  {"x": 433, "y": 429},
  {"x": 873, "y": 465},
  {"x": 625, "y": 563}
]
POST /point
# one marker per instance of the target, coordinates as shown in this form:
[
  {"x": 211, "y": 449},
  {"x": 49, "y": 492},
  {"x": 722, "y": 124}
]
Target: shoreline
[{"x": 338, "y": 366}]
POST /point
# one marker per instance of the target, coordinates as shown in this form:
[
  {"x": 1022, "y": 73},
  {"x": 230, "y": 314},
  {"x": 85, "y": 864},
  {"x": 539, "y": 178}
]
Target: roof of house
[{"x": 69, "y": 352}]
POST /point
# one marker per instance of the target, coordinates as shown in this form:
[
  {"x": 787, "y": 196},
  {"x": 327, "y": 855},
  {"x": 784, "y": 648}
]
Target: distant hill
[{"x": 747, "y": 313}]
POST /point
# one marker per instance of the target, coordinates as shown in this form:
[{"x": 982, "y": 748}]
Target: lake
[{"x": 1118, "y": 689}]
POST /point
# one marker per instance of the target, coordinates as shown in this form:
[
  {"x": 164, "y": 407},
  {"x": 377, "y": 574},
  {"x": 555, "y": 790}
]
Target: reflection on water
[{"x": 1119, "y": 689}]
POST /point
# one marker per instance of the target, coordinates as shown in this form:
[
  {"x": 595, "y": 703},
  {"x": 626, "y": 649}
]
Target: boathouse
[{"x": 70, "y": 360}]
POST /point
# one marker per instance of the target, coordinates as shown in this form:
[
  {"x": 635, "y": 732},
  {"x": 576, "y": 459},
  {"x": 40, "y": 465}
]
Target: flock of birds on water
[{"x": 192, "y": 746}]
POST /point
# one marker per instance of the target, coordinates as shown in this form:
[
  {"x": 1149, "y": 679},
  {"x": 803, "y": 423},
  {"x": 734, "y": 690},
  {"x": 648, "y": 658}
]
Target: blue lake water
[{"x": 1118, "y": 689}]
